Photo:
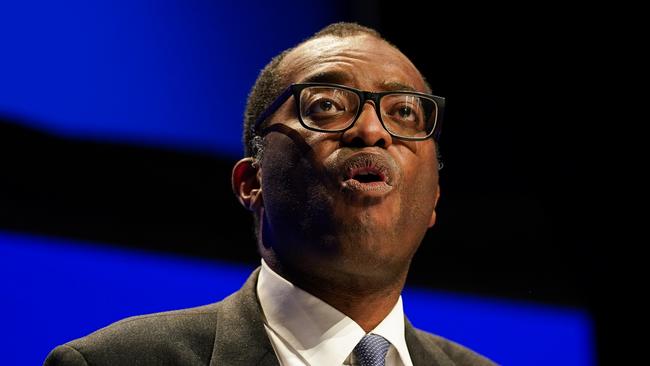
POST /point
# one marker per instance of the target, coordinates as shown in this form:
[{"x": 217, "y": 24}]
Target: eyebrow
[
  {"x": 394, "y": 86},
  {"x": 333, "y": 77},
  {"x": 339, "y": 77}
]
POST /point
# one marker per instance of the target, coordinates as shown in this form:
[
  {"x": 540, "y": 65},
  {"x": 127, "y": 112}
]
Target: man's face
[{"x": 357, "y": 202}]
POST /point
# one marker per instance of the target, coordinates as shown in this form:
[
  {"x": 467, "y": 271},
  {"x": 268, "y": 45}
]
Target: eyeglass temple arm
[
  {"x": 274, "y": 106},
  {"x": 441, "y": 109}
]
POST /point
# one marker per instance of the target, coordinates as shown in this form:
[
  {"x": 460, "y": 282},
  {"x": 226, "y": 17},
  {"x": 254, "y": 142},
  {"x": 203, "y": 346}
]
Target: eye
[
  {"x": 405, "y": 112},
  {"x": 403, "y": 108},
  {"x": 323, "y": 107}
]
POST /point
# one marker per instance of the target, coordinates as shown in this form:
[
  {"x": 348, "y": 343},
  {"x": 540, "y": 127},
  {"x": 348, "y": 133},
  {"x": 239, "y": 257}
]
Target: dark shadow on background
[{"x": 520, "y": 212}]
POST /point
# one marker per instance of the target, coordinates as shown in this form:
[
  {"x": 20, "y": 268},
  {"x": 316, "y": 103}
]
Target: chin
[{"x": 376, "y": 252}]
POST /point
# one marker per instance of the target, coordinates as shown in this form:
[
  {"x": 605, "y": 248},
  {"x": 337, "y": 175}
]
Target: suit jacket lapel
[
  {"x": 241, "y": 339},
  {"x": 424, "y": 352}
]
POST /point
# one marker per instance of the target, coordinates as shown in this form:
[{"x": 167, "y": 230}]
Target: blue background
[
  {"x": 175, "y": 75},
  {"x": 159, "y": 73},
  {"x": 55, "y": 291}
]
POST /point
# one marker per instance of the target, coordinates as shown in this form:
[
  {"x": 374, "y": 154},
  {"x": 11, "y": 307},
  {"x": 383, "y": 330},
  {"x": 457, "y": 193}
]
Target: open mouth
[{"x": 367, "y": 173}]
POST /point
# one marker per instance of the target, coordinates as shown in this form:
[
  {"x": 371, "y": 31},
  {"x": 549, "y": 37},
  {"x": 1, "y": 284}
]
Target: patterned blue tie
[{"x": 371, "y": 350}]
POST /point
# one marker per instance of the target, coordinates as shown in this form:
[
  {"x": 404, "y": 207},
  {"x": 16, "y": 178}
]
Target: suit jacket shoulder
[
  {"x": 426, "y": 349},
  {"x": 230, "y": 332},
  {"x": 203, "y": 335},
  {"x": 153, "y": 339}
]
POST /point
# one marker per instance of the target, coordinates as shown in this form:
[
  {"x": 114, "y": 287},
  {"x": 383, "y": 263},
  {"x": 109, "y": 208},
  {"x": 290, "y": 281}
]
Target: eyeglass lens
[{"x": 331, "y": 109}]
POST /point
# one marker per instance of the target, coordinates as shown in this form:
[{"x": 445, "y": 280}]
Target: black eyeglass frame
[{"x": 364, "y": 96}]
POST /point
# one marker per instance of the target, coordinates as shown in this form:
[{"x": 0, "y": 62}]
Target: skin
[{"x": 352, "y": 249}]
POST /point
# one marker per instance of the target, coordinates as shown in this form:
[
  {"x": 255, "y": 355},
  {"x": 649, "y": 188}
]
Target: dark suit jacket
[{"x": 229, "y": 332}]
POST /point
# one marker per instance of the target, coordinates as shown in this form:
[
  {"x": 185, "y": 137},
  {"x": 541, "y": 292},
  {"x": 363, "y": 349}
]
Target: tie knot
[{"x": 371, "y": 350}]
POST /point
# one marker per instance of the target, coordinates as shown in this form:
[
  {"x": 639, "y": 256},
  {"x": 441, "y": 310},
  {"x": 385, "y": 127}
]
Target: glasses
[{"x": 327, "y": 107}]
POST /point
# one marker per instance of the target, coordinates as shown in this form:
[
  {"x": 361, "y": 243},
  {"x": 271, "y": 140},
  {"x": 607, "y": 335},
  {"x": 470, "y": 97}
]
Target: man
[{"x": 343, "y": 184}]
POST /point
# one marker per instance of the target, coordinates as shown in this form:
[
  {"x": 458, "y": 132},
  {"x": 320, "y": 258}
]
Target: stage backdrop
[
  {"x": 174, "y": 75},
  {"x": 54, "y": 291}
]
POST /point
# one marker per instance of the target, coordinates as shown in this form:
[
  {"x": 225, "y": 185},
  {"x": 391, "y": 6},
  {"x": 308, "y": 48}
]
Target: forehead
[{"x": 361, "y": 61}]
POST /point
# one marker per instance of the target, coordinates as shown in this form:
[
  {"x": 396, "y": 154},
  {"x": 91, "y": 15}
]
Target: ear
[
  {"x": 247, "y": 184},
  {"x": 432, "y": 221}
]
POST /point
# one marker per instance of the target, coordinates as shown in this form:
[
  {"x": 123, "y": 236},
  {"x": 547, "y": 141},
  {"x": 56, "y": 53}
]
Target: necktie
[{"x": 371, "y": 350}]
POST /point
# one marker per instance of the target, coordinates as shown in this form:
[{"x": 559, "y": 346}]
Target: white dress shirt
[{"x": 306, "y": 331}]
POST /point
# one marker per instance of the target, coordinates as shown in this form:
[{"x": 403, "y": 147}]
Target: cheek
[
  {"x": 420, "y": 183},
  {"x": 293, "y": 182},
  {"x": 417, "y": 163},
  {"x": 281, "y": 166}
]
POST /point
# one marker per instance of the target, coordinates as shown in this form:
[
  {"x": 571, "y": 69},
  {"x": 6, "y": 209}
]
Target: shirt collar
[
  {"x": 318, "y": 332},
  {"x": 392, "y": 328}
]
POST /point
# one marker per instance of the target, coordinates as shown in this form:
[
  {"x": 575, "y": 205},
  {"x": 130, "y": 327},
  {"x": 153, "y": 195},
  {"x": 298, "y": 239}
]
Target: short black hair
[{"x": 271, "y": 82}]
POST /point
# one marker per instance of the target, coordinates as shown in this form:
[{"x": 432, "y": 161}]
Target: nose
[{"x": 367, "y": 130}]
